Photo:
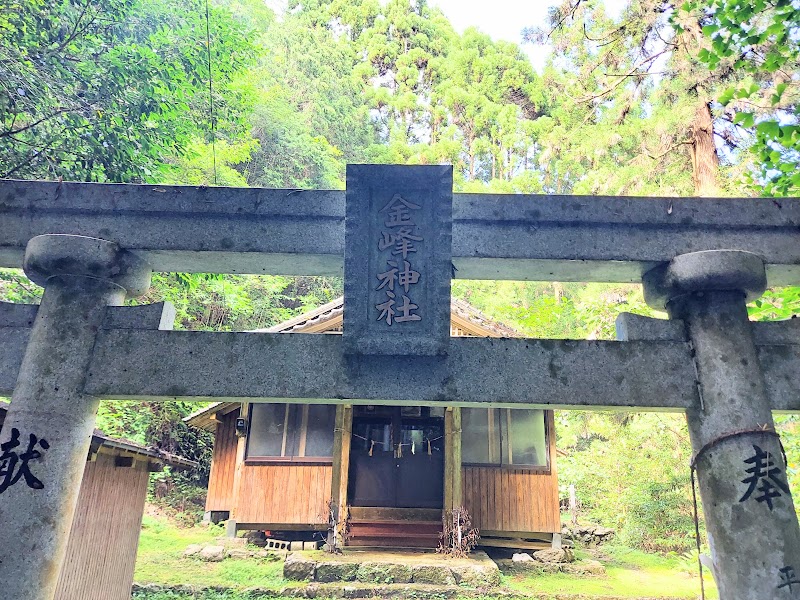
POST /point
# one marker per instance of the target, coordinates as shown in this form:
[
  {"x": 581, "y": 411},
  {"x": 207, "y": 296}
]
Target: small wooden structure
[
  {"x": 101, "y": 552},
  {"x": 277, "y": 466}
]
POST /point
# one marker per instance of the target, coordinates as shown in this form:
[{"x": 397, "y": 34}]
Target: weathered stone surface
[
  {"x": 398, "y": 263},
  {"x": 521, "y": 557},
  {"x": 256, "y": 538},
  {"x": 157, "y": 366},
  {"x": 554, "y": 555},
  {"x": 192, "y": 549},
  {"x": 163, "y": 365},
  {"x": 587, "y": 534},
  {"x": 238, "y": 553},
  {"x": 708, "y": 291},
  {"x": 477, "y": 576},
  {"x": 299, "y": 232},
  {"x": 708, "y": 271},
  {"x": 583, "y": 567},
  {"x": 376, "y": 572},
  {"x": 50, "y": 408},
  {"x": 212, "y": 553},
  {"x": 432, "y": 574},
  {"x": 298, "y": 567},
  {"x": 335, "y": 571},
  {"x": 603, "y": 532}
]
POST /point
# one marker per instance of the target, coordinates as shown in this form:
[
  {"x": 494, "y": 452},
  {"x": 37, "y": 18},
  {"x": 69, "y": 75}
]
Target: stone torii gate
[{"x": 90, "y": 246}]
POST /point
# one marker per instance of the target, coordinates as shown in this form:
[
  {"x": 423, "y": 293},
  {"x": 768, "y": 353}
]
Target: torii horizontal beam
[
  {"x": 297, "y": 232},
  {"x": 136, "y": 361}
]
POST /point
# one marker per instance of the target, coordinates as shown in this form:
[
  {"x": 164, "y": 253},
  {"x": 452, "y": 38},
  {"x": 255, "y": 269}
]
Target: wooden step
[
  {"x": 420, "y": 526},
  {"x": 384, "y": 528},
  {"x": 428, "y": 544},
  {"x": 379, "y": 513},
  {"x": 393, "y": 533}
]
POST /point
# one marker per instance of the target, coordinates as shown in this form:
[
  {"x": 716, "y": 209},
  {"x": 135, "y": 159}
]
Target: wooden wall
[
  {"x": 511, "y": 500},
  {"x": 101, "y": 552},
  {"x": 223, "y": 464},
  {"x": 284, "y": 495},
  {"x": 514, "y": 500}
]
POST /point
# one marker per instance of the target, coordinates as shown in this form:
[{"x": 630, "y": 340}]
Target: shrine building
[{"x": 398, "y": 467}]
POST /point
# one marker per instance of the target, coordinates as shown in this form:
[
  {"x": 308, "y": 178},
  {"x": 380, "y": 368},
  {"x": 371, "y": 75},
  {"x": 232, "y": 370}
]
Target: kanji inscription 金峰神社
[{"x": 399, "y": 277}]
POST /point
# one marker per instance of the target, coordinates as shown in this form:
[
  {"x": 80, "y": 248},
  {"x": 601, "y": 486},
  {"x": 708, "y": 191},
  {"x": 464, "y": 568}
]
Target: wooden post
[
  {"x": 241, "y": 446},
  {"x": 342, "y": 439},
  {"x": 455, "y": 442},
  {"x": 452, "y": 458}
]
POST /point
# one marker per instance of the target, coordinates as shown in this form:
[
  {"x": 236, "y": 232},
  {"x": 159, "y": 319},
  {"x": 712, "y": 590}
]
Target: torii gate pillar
[
  {"x": 51, "y": 419},
  {"x": 750, "y": 518}
]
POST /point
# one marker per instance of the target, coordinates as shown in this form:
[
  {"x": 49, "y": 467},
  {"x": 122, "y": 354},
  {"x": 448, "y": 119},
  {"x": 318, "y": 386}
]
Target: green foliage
[
  {"x": 554, "y": 310},
  {"x": 611, "y": 461},
  {"x": 240, "y": 302},
  {"x": 776, "y": 304},
  {"x": 105, "y": 91},
  {"x": 760, "y": 39},
  {"x": 15, "y": 287}
]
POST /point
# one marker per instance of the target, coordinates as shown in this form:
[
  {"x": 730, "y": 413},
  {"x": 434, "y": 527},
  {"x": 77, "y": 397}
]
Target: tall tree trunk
[{"x": 705, "y": 161}]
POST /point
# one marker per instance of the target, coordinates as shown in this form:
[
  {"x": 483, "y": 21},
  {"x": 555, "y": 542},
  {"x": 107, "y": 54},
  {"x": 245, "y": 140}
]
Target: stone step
[{"x": 417, "y": 591}]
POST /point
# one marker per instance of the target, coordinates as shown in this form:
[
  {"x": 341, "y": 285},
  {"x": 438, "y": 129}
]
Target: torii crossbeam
[{"x": 92, "y": 245}]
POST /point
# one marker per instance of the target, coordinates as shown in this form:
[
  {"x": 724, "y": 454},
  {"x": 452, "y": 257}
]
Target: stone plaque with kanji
[{"x": 398, "y": 265}]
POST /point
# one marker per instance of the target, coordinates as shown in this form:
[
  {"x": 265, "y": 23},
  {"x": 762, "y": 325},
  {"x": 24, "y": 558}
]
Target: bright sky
[{"x": 504, "y": 19}]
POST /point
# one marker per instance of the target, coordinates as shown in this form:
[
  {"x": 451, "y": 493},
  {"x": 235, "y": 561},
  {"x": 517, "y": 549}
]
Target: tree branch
[
  {"x": 670, "y": 149},
  {"x": 12, "y": 132}
]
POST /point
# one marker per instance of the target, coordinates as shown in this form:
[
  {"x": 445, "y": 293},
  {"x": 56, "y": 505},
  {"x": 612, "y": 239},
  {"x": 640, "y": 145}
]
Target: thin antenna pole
[{"x": 211, "y": 95}]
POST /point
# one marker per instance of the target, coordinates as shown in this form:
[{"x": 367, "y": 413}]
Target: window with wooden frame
[
  {"x": 504, "y": 437},
  {"x": 290, "y": 433}
]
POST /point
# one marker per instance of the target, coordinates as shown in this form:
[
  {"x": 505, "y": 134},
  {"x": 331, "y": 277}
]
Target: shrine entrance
[
  {"x": 401, "y": 241},
  {"x": 397, "y": 457}
]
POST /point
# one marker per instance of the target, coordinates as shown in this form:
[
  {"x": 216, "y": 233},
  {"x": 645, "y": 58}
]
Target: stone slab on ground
[
  {"x": 579, "y": 567},
  {"x": 433, "y": 574},
  {"x": 477, "y": 576},
  {"x": 554, "y": 555},
  {"x": 298, "y": 567},
  {"x": 382, "y": 572},
  {"x": 212, "y": 553},
  {"x": 192, "y": 549},
  {"x": 393, "y": 567},
  {"x": 330, "y": 571}
]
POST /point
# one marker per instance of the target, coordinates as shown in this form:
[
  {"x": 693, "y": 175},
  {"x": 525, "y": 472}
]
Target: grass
[
  {"x": 160, "y": 560},
  {"x": 629, "y": 573}
]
